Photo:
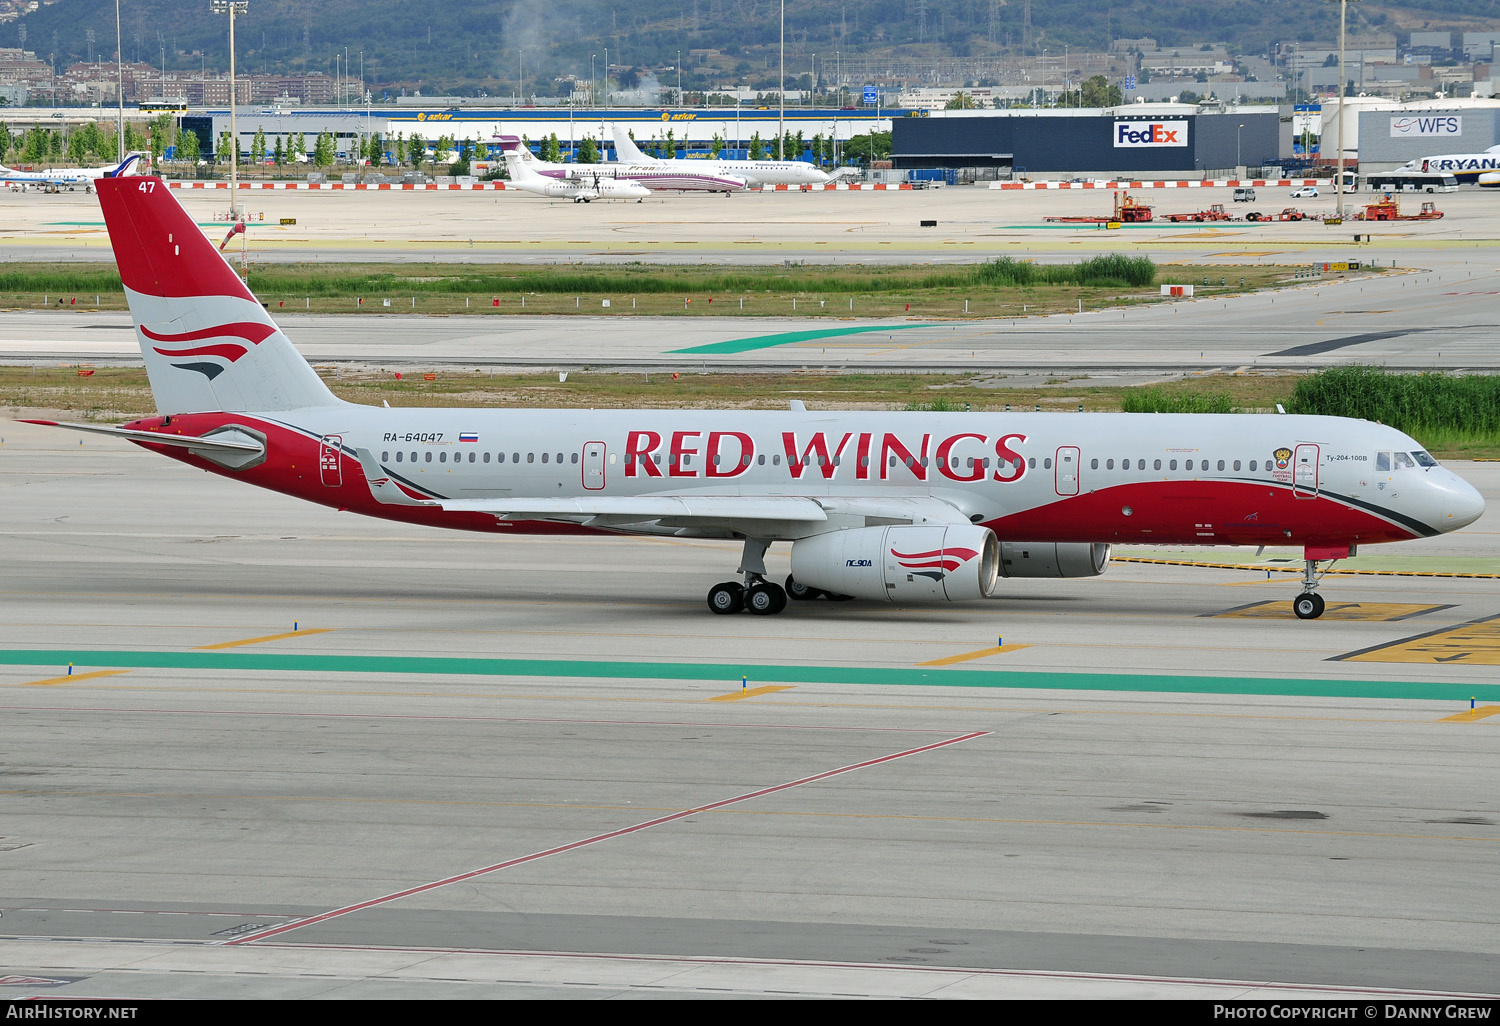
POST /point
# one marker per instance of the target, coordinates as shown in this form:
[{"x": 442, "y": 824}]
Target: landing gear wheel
[
  {"x": 725, "y": 598},
  {"x": 765, "y": 599},
  {"x": 799, "y": 592},
  {"x": 1308, "y": 606}
]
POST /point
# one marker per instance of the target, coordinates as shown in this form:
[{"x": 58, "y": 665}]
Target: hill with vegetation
[{"x": 476, "y": 47}]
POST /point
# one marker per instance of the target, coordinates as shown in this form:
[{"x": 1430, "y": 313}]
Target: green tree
[
  {"x": 375, "y": 150},
  {"x": 299, "y": 145},
  {"x": 757, "y": 147},
  {"x": 961, "y": 101},
  {"x": 279, "y": 153},
  {"x": 188, "y": 148},
  {"x": 324, "y": 152},
  {"x": 717, "y": 145},
  {"x": 136, "y": 138},
  {"x": 588, "y": 151},
  {"x": 551, "y": 150},
  {"x": 1097, "y": 92},
  {"x": 162, "y": 128},
  {"x": 416, "y": 149},
  {"x": 258, "y": 146},
  {"x": 445, "y": 146},
  {"x": 861, "y": 149}
]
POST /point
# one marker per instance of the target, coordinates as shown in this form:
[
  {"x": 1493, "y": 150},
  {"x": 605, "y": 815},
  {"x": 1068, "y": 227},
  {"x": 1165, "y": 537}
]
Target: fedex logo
[
  {"x": 1143, "y": 134},
  {"x": 1405, "y": 127}
]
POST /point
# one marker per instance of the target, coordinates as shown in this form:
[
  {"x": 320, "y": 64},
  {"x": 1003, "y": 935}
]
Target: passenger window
[
  {"x": 544, "y": 456},
  {"x": 1221, "y": 465},
  {"x": 1252, "y": 466},
  {"x": 575, "y": 458},
  {"x": 1172, "y": 465},
  {"x": 486, "y": 457},
  {"x": 836, "y": 461},
  {"x": 687, "y": 458},
  {"x": 1109, "y": 464},
  {"x": 1156, "y": 465},
  {"x": 474, "y": 456},
  {"x": 924, "y": 461},
  {"x": 1094, "y": 464},
  {"x": 1031, "y": 463},
  {"x": 1382, "y": 461},
  {"x": 1141, "y": 465},
  {"x": 761, "y": 460},
  {"x": 1189, "y": 464},
  {"x": 559, "y": 457},
  {"x": 776, "y": 460},
  {"x": 1236, "y": 464},
  {"x": 745, "y": 460},
  {"x": 716, "y": 459},
  {"x": 1047, "y": 463},
  {"x": 1403, "y": 461},
  {"x": 893, "y": 459},
  {"x": 442, "y": 457},
  {"x": 398, "y": 457},
  {"x": 385, "y": 457},
  {"x": 429, "y": 455},
  {"x": 531, "y": 457},
  {"x": 515, "y": 457}
]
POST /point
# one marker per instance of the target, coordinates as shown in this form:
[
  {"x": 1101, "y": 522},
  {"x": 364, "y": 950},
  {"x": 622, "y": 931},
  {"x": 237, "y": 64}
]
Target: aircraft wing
[{"x": 689, "y": 511}]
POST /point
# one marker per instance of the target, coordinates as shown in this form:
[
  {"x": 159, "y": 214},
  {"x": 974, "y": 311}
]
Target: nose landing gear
[{"x": 1309, "y": 605}]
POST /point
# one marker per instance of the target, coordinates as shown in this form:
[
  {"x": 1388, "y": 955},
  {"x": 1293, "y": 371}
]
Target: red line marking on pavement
[{"x": 560, "y": 849}]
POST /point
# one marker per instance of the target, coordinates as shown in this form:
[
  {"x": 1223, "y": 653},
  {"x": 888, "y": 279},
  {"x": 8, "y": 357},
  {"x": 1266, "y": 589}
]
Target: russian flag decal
[{"x": 468, "y": 436}]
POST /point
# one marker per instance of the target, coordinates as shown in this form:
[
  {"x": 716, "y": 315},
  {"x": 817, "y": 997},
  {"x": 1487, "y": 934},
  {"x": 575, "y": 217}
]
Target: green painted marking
[
  {"x": 730, "y": 672},
  {"x": 745, "y": 345}
]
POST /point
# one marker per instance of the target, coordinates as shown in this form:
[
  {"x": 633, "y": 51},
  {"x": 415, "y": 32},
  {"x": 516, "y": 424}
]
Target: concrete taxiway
[{"x": 304, "y": 754}]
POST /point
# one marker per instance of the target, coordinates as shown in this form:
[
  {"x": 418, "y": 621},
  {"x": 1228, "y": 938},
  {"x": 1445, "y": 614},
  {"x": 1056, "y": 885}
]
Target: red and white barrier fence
[{"x": 1206, "y": 183}]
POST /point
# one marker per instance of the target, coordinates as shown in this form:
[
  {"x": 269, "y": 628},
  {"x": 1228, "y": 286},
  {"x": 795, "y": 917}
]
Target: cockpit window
[
  {"x": 1424, "y": 459},
  {"x": 1382, "y": 461},
  {"x": 1403, "y": 461}
]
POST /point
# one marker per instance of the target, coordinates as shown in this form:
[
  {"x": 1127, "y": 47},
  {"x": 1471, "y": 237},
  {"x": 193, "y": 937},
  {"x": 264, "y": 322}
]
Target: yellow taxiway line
[
  {"x": 965, "y": 657},
  {"x": 1470, "y": 715},
  {"x": 268, "y": 637},
  {"x": 70, "y": 678},
  {"x": 735, "y": 696}
]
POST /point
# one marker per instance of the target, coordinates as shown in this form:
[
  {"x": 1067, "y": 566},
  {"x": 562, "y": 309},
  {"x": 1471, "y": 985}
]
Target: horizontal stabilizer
[{"x": 208, "y": 444}]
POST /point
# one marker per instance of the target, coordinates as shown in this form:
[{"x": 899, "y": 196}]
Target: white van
[{"x": 1244, "y": 194}]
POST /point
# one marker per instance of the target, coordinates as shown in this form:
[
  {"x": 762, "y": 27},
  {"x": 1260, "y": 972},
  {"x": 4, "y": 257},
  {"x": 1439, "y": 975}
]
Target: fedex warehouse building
[{"x": 1135, "y": 141}]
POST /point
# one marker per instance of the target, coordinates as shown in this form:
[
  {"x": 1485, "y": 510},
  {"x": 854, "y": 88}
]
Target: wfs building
[{"x": 1138, "y": 140}]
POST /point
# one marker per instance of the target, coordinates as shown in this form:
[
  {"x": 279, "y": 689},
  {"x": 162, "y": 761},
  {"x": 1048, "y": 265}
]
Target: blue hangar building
[{"x": 1134, "y": 140}]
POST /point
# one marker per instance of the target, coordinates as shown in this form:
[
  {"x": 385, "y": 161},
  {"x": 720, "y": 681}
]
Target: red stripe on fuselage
[{"x": 1204, "y": 512}]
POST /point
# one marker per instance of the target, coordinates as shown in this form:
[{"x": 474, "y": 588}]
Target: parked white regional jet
[
  {"x": 579, "y": 190},
  {"x": 67, "y": 177},
  {"x": 657, "y": 179},
  {"x": 899, "y": 507},
  {"x": 756, "y": 172}
]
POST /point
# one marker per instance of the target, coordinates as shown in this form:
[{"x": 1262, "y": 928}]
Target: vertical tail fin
[
  {"x": 208, "y": 343},
  {"x": 626, "y": 149}
]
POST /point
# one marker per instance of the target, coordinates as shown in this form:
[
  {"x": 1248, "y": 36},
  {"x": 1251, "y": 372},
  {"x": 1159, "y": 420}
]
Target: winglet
[{"x": 382, "y": 487}]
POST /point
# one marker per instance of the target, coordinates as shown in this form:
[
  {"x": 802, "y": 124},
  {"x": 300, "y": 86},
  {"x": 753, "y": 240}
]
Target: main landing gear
[{"x": 758, "y": 595}]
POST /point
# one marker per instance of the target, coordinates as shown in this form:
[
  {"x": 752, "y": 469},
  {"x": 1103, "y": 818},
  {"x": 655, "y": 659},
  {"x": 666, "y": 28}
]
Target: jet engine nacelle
[
  {"x": 1053, "y": 559},
  {"x": 901, "y": 563}
]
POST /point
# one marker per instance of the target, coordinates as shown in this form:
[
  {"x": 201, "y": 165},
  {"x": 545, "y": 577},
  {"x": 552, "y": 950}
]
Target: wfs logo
[
  {"x": 1407, "y": 127},
  {"x": 1144, "y": 134}
]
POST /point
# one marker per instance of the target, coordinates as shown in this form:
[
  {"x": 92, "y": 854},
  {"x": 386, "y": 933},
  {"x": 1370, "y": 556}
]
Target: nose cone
[{"x": 1461, "y": 504}]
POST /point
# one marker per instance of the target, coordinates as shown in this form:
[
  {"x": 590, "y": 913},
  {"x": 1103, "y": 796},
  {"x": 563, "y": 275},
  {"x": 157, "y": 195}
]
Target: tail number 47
[{"x": 147, "y": 187}]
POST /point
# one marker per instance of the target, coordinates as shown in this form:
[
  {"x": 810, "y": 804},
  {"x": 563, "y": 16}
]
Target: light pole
[
  {"x": 231, "y": 8},
  {"x": 679, "y": 81},
  {"x": 119, "y": 88},
  {"x": 1237, "y": 161},
  {"x": 781, "y": 93}
]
